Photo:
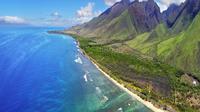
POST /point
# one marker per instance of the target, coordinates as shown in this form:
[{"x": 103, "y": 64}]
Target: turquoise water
[{"x": 41, "y": 72}]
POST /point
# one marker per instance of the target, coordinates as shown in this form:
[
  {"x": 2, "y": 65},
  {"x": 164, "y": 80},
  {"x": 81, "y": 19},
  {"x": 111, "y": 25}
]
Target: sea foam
[
  {"x": 85, "y": 77},
  {"x": 105, "y": 99},
  {"x": 120, "y": 110},
  {"x": 78, "y": 60}
]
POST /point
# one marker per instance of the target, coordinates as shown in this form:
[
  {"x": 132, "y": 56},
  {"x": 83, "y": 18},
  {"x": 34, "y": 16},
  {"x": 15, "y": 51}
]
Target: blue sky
[{"x": 57, "y": 12}]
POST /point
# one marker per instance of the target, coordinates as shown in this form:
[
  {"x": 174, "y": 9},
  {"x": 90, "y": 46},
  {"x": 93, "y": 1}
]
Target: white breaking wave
[
  {"x": 85, "y": 77},
  {"x": 105, "y": 99},
  {"x": 120, "y": 110},
  {"x": 78, "y": 60},
  {"x": 88, "y": 76}
]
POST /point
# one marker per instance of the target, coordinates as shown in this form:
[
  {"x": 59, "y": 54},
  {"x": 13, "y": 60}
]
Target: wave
[
  {"x": 6, "y": 41},
  {"x": 78, "y": 60},
  {"x": 85, "y": 77},
  {"x": 120, "y": 110},
  {"x": 76, "y": 44},
  {"x": 105, "y": 99}
]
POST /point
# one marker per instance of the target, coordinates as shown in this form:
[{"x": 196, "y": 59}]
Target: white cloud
[
  {"x": 86, "y": 13},
  {"x": 111, "y": 2},
  {"x": 12, "y": 20},
  {"x": 164, "y": 4}
]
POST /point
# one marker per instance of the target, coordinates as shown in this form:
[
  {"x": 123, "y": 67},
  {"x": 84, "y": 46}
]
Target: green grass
[
  {"x": 141, "y": 44},
  {"x": 181, "y": 50},
  {"x": 147, "y": 42}
]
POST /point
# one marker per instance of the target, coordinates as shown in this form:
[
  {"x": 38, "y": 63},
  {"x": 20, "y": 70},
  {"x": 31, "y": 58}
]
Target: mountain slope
[
  {"x": 98, "y": 26},
  {"x": 177, "y": 43},
  {"x": 183, "y": 50},
  {"x": 178, "y": 18},
  {"x": 121, "y": 22}
]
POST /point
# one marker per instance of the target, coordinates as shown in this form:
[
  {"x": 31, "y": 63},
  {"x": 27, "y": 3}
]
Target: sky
[{"x": 58, "y": 12}]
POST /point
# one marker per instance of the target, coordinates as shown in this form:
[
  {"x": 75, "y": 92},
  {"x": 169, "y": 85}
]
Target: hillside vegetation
[{"x": 180, "y": 50}]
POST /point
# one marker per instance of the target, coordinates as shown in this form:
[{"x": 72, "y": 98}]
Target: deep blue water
[{"x": 41, "y": 72}]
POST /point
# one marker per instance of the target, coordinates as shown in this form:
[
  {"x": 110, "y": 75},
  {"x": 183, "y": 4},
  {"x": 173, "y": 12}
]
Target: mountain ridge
[{"x": 99, "y": 26}]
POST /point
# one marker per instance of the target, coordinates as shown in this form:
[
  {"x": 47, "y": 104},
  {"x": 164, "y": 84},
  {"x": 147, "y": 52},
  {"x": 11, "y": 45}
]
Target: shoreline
[
  {"x": 138, "y": 98},
  {"x": 146, "y": 103}
]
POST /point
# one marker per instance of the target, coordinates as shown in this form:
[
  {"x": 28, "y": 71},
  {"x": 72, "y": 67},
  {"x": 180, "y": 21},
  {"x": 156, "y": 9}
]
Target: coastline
[{"x": 146, "y": 103}]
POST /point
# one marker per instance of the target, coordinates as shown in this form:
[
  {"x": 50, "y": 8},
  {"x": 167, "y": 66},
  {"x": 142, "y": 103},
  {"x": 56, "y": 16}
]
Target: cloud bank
[
  {"x": 111, "y": 2},
  {"x": 164, "y": 4},
  {"x": 12, "y": 20},
  {"x": 86, "y": 13}
]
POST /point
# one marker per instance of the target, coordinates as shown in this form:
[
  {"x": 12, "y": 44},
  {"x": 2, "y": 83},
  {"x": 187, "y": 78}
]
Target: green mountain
[
  {"x": 177, "y": 49},
  {"x": 183, "y": 50},
  {"x": 148, "y": 50},
  {"x": 123, "y": 21}
]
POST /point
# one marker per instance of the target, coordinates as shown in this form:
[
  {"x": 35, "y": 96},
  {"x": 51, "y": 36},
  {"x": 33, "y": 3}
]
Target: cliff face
[
  {"x": 180, "y": 17},
  {"x": 145, "y": 15},
  {"x": 170, "y": 15}
]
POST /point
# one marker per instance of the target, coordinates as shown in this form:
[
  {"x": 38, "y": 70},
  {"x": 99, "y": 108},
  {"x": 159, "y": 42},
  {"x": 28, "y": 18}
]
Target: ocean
[{"x": 41, "y": 72}]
